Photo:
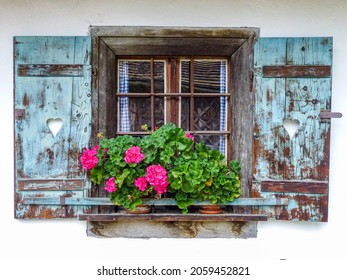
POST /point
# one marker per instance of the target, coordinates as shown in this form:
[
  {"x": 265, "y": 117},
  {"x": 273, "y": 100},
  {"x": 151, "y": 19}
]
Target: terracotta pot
[
  {"x": 210, "y": 209},
  {"x": 140, "y": 209}
]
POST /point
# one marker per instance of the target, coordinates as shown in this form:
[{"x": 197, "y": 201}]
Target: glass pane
[
  {"x": 216, "y": 142},
  {"x": 185, "y": 88},
  {"x": 135, "y": 77},
  {"x": 159, "y": 87},
  {"x": 139, "y": 76},
  {"x": 159, "y": 77},
  {"x": 207, "y": 76},
  {"x": 185, "y": 76},
  {"x": 209, "y": 113}
]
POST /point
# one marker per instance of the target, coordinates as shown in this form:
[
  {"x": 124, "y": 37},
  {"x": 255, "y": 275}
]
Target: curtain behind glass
[{"x": 124, "y": 113}]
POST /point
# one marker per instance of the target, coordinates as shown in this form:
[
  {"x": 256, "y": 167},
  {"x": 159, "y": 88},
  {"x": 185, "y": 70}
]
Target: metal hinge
[
  {"x": 95, "y": 77},
  {"x": 251, "y": 79},
  {"x": 329, "y": 115},
  {"x": 19, "y": 114}
]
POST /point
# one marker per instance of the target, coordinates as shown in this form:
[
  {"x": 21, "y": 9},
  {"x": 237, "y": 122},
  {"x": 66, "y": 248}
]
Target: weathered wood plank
[
  {"x": 169, "y": 217},
  {"x": 177, "y": 31},
  {"x": 295, "y": 71},
  {"x": 313, "y": 187},
  {"x": 152, "y": 229},
  {"x": 155, "y": 46},
  {"x": 159, "y": 202},
  {"x": 48, "y": 211},
  {"x": 241, "y": 112},
  {"x": 50, "y": 184},
  {"x": 50, "y": 70}
]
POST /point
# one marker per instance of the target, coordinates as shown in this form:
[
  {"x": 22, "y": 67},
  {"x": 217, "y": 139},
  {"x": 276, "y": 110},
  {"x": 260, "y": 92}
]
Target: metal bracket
[
  {"x": 330, "y": 115},
  {"x": 63, "y": 207},
  {"x": 19, "y": 114}
]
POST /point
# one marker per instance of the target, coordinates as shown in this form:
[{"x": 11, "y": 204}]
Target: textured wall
[{"x": 31, "y": 239}]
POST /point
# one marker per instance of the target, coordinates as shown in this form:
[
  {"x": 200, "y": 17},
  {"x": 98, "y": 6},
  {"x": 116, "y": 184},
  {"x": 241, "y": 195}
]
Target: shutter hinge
[
  {"x": 95, "y": 77},
  {"x": 19, "y": 114},
  {"x": 329, "y": 115},
  {"x": 251, "y": 80},
  {"x": 250, "y": 181},
  {"x": 63, "y": 210}
]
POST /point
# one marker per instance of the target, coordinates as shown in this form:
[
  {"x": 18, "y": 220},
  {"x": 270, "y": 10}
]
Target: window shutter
[
  {"x": 292, "y": 88},
  {"x": 52, "y": 124}
]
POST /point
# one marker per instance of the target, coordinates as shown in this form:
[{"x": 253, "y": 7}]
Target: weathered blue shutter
[
  {"x": 52, "y": 87},
  {"x": 292, "y": 86}
]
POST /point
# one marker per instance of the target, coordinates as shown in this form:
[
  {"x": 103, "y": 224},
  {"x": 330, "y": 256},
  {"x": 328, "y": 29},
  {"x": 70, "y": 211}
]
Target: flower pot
[
  {"x": 210, "y": 209},
  {"x": 140, "y": 209}
]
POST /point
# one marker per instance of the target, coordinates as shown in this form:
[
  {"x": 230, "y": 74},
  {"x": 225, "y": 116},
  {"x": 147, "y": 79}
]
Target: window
[{"x": 199, "y": 107}]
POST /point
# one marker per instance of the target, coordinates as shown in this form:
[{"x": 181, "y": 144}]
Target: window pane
[
  {"x": 207, "y": 76},
  {"x": 135, "y": 77},
  {"x": 209, "y": 113},
  {"x": 159, "y": 77},
  {"x": 139, "y": 76},
  {"x": 185, "y": 76},
  {"x": 159, "y": 87},
  {"x": 213, "y": 141}
]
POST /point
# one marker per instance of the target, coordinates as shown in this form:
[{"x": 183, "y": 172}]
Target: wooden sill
[{"x": 170, "y": 217}]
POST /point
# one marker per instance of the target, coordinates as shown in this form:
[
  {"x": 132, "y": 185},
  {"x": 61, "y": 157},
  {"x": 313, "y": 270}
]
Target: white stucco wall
[{"x": 50, "y": 241}]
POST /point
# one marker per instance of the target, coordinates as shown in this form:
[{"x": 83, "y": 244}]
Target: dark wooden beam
[
  {"x": 50, "y": 70},
  {"x": 312, "y": 187},
  {"x": 295, "y": 71}
]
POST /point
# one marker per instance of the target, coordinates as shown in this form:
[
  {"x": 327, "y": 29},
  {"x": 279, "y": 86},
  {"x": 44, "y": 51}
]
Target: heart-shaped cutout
[
  {"x": 54, "y": 125},
  {"x": 291, "y": 126}
]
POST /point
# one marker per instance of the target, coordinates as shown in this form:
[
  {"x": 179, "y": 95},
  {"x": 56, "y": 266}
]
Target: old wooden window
[{"x": 269, "y": 82}]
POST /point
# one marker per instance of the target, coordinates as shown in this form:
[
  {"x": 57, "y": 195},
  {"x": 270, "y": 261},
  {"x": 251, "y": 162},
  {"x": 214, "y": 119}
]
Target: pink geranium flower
[
  {"x": 156, "y": 175},
  {"x": 133, "y": 155},
  {"x": 189, "y": 135},
  {"x": 141, "y": 183},
  {"x": 110, "y": 185},
  {"x": 89, "y": 159}
]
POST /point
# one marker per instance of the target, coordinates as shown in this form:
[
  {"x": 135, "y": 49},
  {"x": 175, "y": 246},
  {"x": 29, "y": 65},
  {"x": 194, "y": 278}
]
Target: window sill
[{"x": 173, "y": 217}]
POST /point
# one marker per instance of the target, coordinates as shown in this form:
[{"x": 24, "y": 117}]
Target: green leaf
[
  {"x": 181, "y": 146},
  {"x": 120, "y": 179},
  {"x": 96, "y": 175}
]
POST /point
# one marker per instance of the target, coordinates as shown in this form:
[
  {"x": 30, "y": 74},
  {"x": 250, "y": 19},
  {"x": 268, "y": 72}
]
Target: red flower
[
  {"x": 89, "y": 159},
  {"x": 141, "y": 183},
  {"x": 110, "y": 185},
  {"x": 133, "y": 155},
  {"x": 156, "y": 175},
  {"x": 189, "y": 135}
]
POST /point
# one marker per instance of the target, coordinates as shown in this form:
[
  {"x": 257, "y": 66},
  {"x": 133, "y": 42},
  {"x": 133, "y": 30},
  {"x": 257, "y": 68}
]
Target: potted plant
[
  {"x": 166, "y": 160},
  {"x": 202, "y": 175}
]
